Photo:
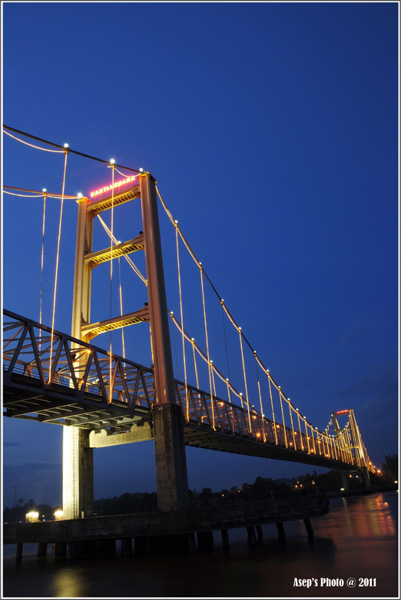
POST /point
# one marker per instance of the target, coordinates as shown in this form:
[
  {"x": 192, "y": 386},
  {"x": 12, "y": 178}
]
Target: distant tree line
[{"x": 261, "y": 489}]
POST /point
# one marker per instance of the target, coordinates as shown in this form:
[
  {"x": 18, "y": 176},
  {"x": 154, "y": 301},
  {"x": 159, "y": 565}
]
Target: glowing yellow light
[
  {"x": 342, "y": 489},
  {"x": 396, "y": 482},
  {"x": 32, "y": 517},
  {"x": 58, "y": 514}
]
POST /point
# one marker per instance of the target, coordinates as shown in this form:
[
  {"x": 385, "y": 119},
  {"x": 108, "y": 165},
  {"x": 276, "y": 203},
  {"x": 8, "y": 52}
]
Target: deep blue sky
[{"x": 272, "y": 131}]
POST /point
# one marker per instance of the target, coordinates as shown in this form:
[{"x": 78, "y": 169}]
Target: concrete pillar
[
  {"x": 77, "y": 473},
  {"x": 309, "y": 529},
  {"x": 366, "y": 477},
  {"x": 171, "y": 466},
  {"x": 192, "y": 542},
  {"x": 73, "y": 549},
  {"x": 344, "y": 480},
  {"x": 42, "y": 549},
  {"x": 126, "y": 546},
  {"x": 106, "y": 547},
  {"x": 281, "y": 533},
  {"x": 251, "y": 536},
  {"x": 18, "y": 554},
  {"x": 141, "y": 545},
  {"x": 205, "y": 540},
  {"x": 259, "y": 532},
  {"x": 61, "y": 548},
  {"x": 171, "y": 469},
  {"x": 225, "y": 540}
]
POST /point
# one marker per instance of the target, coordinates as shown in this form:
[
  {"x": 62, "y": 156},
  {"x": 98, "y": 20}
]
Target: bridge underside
[
  {"x": 242, "y": 444},
  {"x": 90, "y": 413},
  {"x": 60, "y": 406}
]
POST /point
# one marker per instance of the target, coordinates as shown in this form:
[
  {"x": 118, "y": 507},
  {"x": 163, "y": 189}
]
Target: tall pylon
[{"x": 171, "y": 470}]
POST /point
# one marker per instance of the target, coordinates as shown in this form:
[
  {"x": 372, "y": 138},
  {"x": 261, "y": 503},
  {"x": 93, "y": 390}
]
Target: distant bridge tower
[
  {"x": 356, "y": 444},
  {"x": 171, "y": 470}
]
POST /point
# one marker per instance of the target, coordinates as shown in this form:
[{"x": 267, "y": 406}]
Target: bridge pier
[
  {"x": 171, "y": 467},
  {"x": 344, "y": 480},
  {"x": 366, "y": 477},
  {"x": 77, "y": 473},
  {"x": 281, "y": 533}
]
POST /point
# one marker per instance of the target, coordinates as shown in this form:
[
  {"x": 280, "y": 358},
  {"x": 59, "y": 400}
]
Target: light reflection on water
[{"x": 358, "y": 538}]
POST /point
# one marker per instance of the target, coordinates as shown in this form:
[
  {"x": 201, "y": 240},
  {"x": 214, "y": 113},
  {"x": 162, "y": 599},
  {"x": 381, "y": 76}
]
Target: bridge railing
[
  {"x": 201, "y": 409},
  {"x": 55, "y": 361}
]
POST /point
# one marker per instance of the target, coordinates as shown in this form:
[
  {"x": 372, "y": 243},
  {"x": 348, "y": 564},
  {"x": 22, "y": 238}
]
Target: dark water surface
[{"x": 358, "y": 540}]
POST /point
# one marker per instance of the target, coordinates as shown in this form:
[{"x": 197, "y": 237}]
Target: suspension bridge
[{"x": 101, "y": 398}]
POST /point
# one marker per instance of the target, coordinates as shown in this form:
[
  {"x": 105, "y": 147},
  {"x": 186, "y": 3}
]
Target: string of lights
[
  {"x": 231, "y": 318},
  {"x": 7, "y": 129},
  {"x": 37, "y": 193}
]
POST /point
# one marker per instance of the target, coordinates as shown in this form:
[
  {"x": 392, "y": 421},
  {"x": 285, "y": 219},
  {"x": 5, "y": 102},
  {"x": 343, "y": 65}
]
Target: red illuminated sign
[
  {"x": 117, "y": 185},
  {"x": 342, "y": 412}
]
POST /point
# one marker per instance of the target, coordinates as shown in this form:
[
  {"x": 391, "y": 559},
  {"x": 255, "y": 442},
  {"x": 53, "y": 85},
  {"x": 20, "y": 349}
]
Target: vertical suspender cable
[
  {"x": 182, "y": 322},
  {"x": 121, "y": 306},
  {"x": 225, "y": 339},
  {"x": 260, "y": 398},
  {"x": 111, "y": 285},
  {"x": 300, "y": 432},
  {"x": 195, "y": 365},
  {"x": 207, "y": 342},
  {"x": 292, "y": 427},
  {"x": 41, "y": 269},
  {"x": 57, "y": 263},
  {"x": 307, "y": 436},
  {"x": 282, "y": 416},
  {"x": 245, "y": 382},
  {"x": 274, "y": 418}
]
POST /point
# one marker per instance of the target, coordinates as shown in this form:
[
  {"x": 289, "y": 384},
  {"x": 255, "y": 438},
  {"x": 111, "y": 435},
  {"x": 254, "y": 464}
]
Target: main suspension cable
[
  {"x": 33, "y": 137},
  {"x": 57, "y": 264}
]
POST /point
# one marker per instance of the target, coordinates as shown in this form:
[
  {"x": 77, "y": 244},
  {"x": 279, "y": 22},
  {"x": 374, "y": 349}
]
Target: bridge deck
[{"x": 55, "y": 378}]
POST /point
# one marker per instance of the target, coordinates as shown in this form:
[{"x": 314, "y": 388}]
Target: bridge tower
[
  {"x": 358, "y": 446},
  {"x": 171, "y": 470}
]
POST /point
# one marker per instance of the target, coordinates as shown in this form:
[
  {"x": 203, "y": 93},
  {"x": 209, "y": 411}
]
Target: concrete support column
[
  {"x": 281, "y": 533},
  {"x": 126, "y": 546},
  {"x": 309, "y": 529},
  {"x": 171, "y": 466},
  {"x": 77, "y": 473},
  {"x": 61, "y": 549},
  {"x": 171, "y": 469},
  {"x": 42, "y": 550},
  {"x": 251, "y": 536},
  {"x": 205, "y": 540},
  {"x": 344, "y": 480},
  {"x": 225, "y": 540},
  {"x": 18, "y": 554},
  {"x": 366, "y": 477}
]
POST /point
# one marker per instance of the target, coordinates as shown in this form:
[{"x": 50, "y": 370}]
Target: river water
[{"x": 356, "y": 542}]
